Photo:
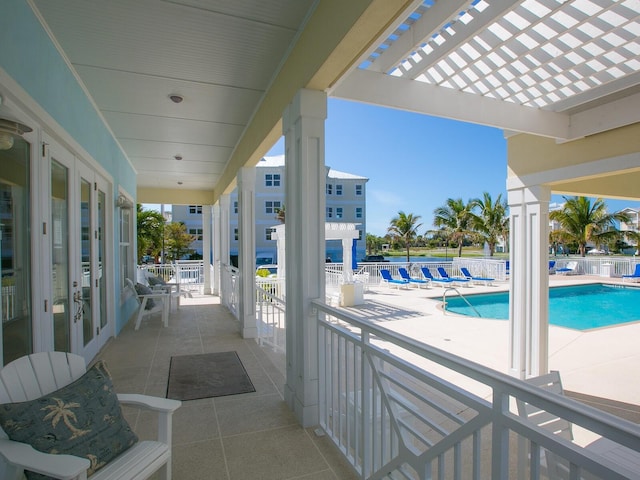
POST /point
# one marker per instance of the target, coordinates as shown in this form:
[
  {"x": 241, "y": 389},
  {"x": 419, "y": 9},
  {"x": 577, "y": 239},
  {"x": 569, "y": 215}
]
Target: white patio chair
[
  {"x": 40, "y": 374},
  {"x": 557, "y": 467},
  {"x": 159, "y": 301}
]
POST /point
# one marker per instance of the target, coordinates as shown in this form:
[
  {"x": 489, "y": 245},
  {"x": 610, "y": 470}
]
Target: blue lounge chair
[
  {"x": 459, "y": 280},
  {"x": 416, "y": 281},
  {"x": 552, "y": 266},
  {"x": 634, "y": 276},
  {"x": 389, "y": 280},
  {"x": 467, "y": 274},
  {"x": 428, "y": 276}
]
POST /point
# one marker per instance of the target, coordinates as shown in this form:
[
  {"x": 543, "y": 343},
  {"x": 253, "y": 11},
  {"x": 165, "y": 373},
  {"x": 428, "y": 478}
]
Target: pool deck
[{"x": 601, "y": 365}]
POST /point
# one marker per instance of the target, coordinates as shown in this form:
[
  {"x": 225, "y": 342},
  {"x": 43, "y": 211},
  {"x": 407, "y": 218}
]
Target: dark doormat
[{"x": 207, "y": 375}]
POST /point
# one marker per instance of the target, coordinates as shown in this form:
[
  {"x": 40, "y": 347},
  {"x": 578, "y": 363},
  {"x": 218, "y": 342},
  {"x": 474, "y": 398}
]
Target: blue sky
[{"x": 414, "y": 162}]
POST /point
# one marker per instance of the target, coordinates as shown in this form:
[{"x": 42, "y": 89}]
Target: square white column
[
  {"x": 216, "y": 249},
  {"x": 529, "y": 281},
  {"x": 206, "y": 247},
  {"x": 225, "y": 228},
  {"x": 305, "y": 180},
  {"x": 246, "y": 181}
]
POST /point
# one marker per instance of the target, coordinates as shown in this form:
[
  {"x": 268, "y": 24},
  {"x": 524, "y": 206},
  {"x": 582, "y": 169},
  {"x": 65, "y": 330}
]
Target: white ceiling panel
[
  {"x": 174, "y": 130},
  {"x": 219, "y": 55}
]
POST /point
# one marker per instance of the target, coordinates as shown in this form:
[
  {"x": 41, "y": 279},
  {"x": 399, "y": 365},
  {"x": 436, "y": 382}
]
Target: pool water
[{"x": 580, "y": 307}]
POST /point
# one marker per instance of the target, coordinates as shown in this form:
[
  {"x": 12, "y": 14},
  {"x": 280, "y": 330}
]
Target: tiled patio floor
[{"x": 237, "y": 437}]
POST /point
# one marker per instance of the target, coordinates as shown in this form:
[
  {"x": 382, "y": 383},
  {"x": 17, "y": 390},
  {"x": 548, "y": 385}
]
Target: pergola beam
[{"x": 410, "y": 95}]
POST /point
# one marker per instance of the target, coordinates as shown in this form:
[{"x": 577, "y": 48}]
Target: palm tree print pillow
[{"x": 82, "y": 419}]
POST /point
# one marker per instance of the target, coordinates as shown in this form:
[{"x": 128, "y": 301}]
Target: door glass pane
[
  {"x": 102, "y": 284},
  {"x": 15, "y": 251},
  {"x": 85, "y": 241},
  {"x": 60, "y": 256}
]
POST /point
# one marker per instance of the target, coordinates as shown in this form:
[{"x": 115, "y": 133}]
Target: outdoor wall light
[{"x": 9, "y": 128}]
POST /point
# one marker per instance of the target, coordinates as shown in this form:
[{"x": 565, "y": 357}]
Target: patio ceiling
[
  {"x": 561, "y": 69},
  {"x": 558, "y": 68},
  {"x": 219, "y": 56}
]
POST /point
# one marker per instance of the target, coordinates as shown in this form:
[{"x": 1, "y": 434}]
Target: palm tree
[
  {"x": 280, "y": 214},
  {"x": 583, "y": 222},
  {"x": 150, "y": 231},
  {"x": 492, "y": 221},
  {"x": 456, "y": 218},
  {"x": 406, "y": 227}
]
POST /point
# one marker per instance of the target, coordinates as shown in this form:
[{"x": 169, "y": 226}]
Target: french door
[{"x": 77, "y": 240}]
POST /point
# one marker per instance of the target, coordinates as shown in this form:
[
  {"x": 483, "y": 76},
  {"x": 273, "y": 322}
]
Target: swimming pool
[{"x": 580, "y": 307}]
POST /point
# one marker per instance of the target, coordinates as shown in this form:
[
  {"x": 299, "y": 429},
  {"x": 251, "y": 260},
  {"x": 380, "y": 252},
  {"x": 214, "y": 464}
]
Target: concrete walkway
[{"x": 602, "y": 363}]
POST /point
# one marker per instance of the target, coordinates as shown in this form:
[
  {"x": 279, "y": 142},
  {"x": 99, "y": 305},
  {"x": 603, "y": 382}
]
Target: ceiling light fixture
[
  {"x": 179, "y": 183},
  {"x": 178, "y": 157},
  {"x": 9, "y": 129},
  {"x": 175, "y": 98}
]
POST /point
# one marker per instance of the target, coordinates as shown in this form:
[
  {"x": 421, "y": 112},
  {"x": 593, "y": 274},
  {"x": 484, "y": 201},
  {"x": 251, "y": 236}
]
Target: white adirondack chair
[
  {"x": 161, "y": 304},
  {"x": 39, "y": 374}
]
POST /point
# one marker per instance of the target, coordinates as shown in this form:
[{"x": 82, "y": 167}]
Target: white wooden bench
[{"x": 34, "y": 376}]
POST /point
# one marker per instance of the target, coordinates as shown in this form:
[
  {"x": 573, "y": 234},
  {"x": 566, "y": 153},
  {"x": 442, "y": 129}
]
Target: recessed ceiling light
[
  {"x": 179, "y": 183},
  {"x": 175, "y": 98},
  {"x": 178, "y": 157}
]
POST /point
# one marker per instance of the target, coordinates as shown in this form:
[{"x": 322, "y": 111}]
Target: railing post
[
  {"x": 499, "y": 436},
  {"x": 366, "y": 438}
]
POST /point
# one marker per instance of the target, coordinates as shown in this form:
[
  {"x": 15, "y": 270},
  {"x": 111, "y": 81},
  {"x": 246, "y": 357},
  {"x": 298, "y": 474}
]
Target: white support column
[
  {"x": 206, "y": 248},
  {"x": 247, "y": 251},
  {"x": 347, "y": 272},
  {"x": 529, "y": 278},
  {"x": 225, "y": 228},
  {"x": 303, "y": 127},
  {"x": 216, "y": 249}
]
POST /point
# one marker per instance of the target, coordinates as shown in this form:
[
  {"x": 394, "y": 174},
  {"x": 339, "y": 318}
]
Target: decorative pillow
[
  {"x": 154, "y": 280},
  {"x": 82, "y": 419},
  {"x": 144, "y": 290}
]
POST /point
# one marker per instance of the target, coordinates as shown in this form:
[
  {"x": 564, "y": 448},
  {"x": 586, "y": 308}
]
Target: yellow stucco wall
[{"x": 528, "y": 155}]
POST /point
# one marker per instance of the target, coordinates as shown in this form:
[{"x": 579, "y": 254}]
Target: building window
[
  {"x": 338, "y": 189},
  {"x": 196, "y": 232},
  {"x": 359, "y": 234},
  {"x": 272, "y": 180},
  {"x": 329, "y": 212},
  {"x": 338, "y": 212},
  {"x": 358, "y": 189},
  {"x": 195, "y": 209},
  {"x": 235, "y": 234},
  {"x": 358, "y": 212},
  {"x": 268, "y": 232},
  {"x": 126, "y": 233},
  {"x": 272, "y": 207},
  {"x": 329, "y": 189},
  {"x": 235, "y": 207}
]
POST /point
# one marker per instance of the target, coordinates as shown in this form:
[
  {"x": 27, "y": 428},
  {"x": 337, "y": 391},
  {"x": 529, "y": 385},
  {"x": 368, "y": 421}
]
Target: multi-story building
[
  {"x": 632, "y": 226},
  {"x": 345, "y": 202},
  {"x": 191, "y": 216}
]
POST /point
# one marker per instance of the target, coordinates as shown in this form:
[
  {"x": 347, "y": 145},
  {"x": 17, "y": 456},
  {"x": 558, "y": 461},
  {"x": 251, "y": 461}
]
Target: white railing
[
  {"x": 397, "y": 408},
  {"x": 229, "y": 288},
  {"x": 270, "y": 313},
  {"x": 190, "y": 274},
  {"x": 481, "y": 267},
  {"x": 8, "y": 303},
  {"x": 605, "y": 266},
  {"x": 163, "y": 270}
]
